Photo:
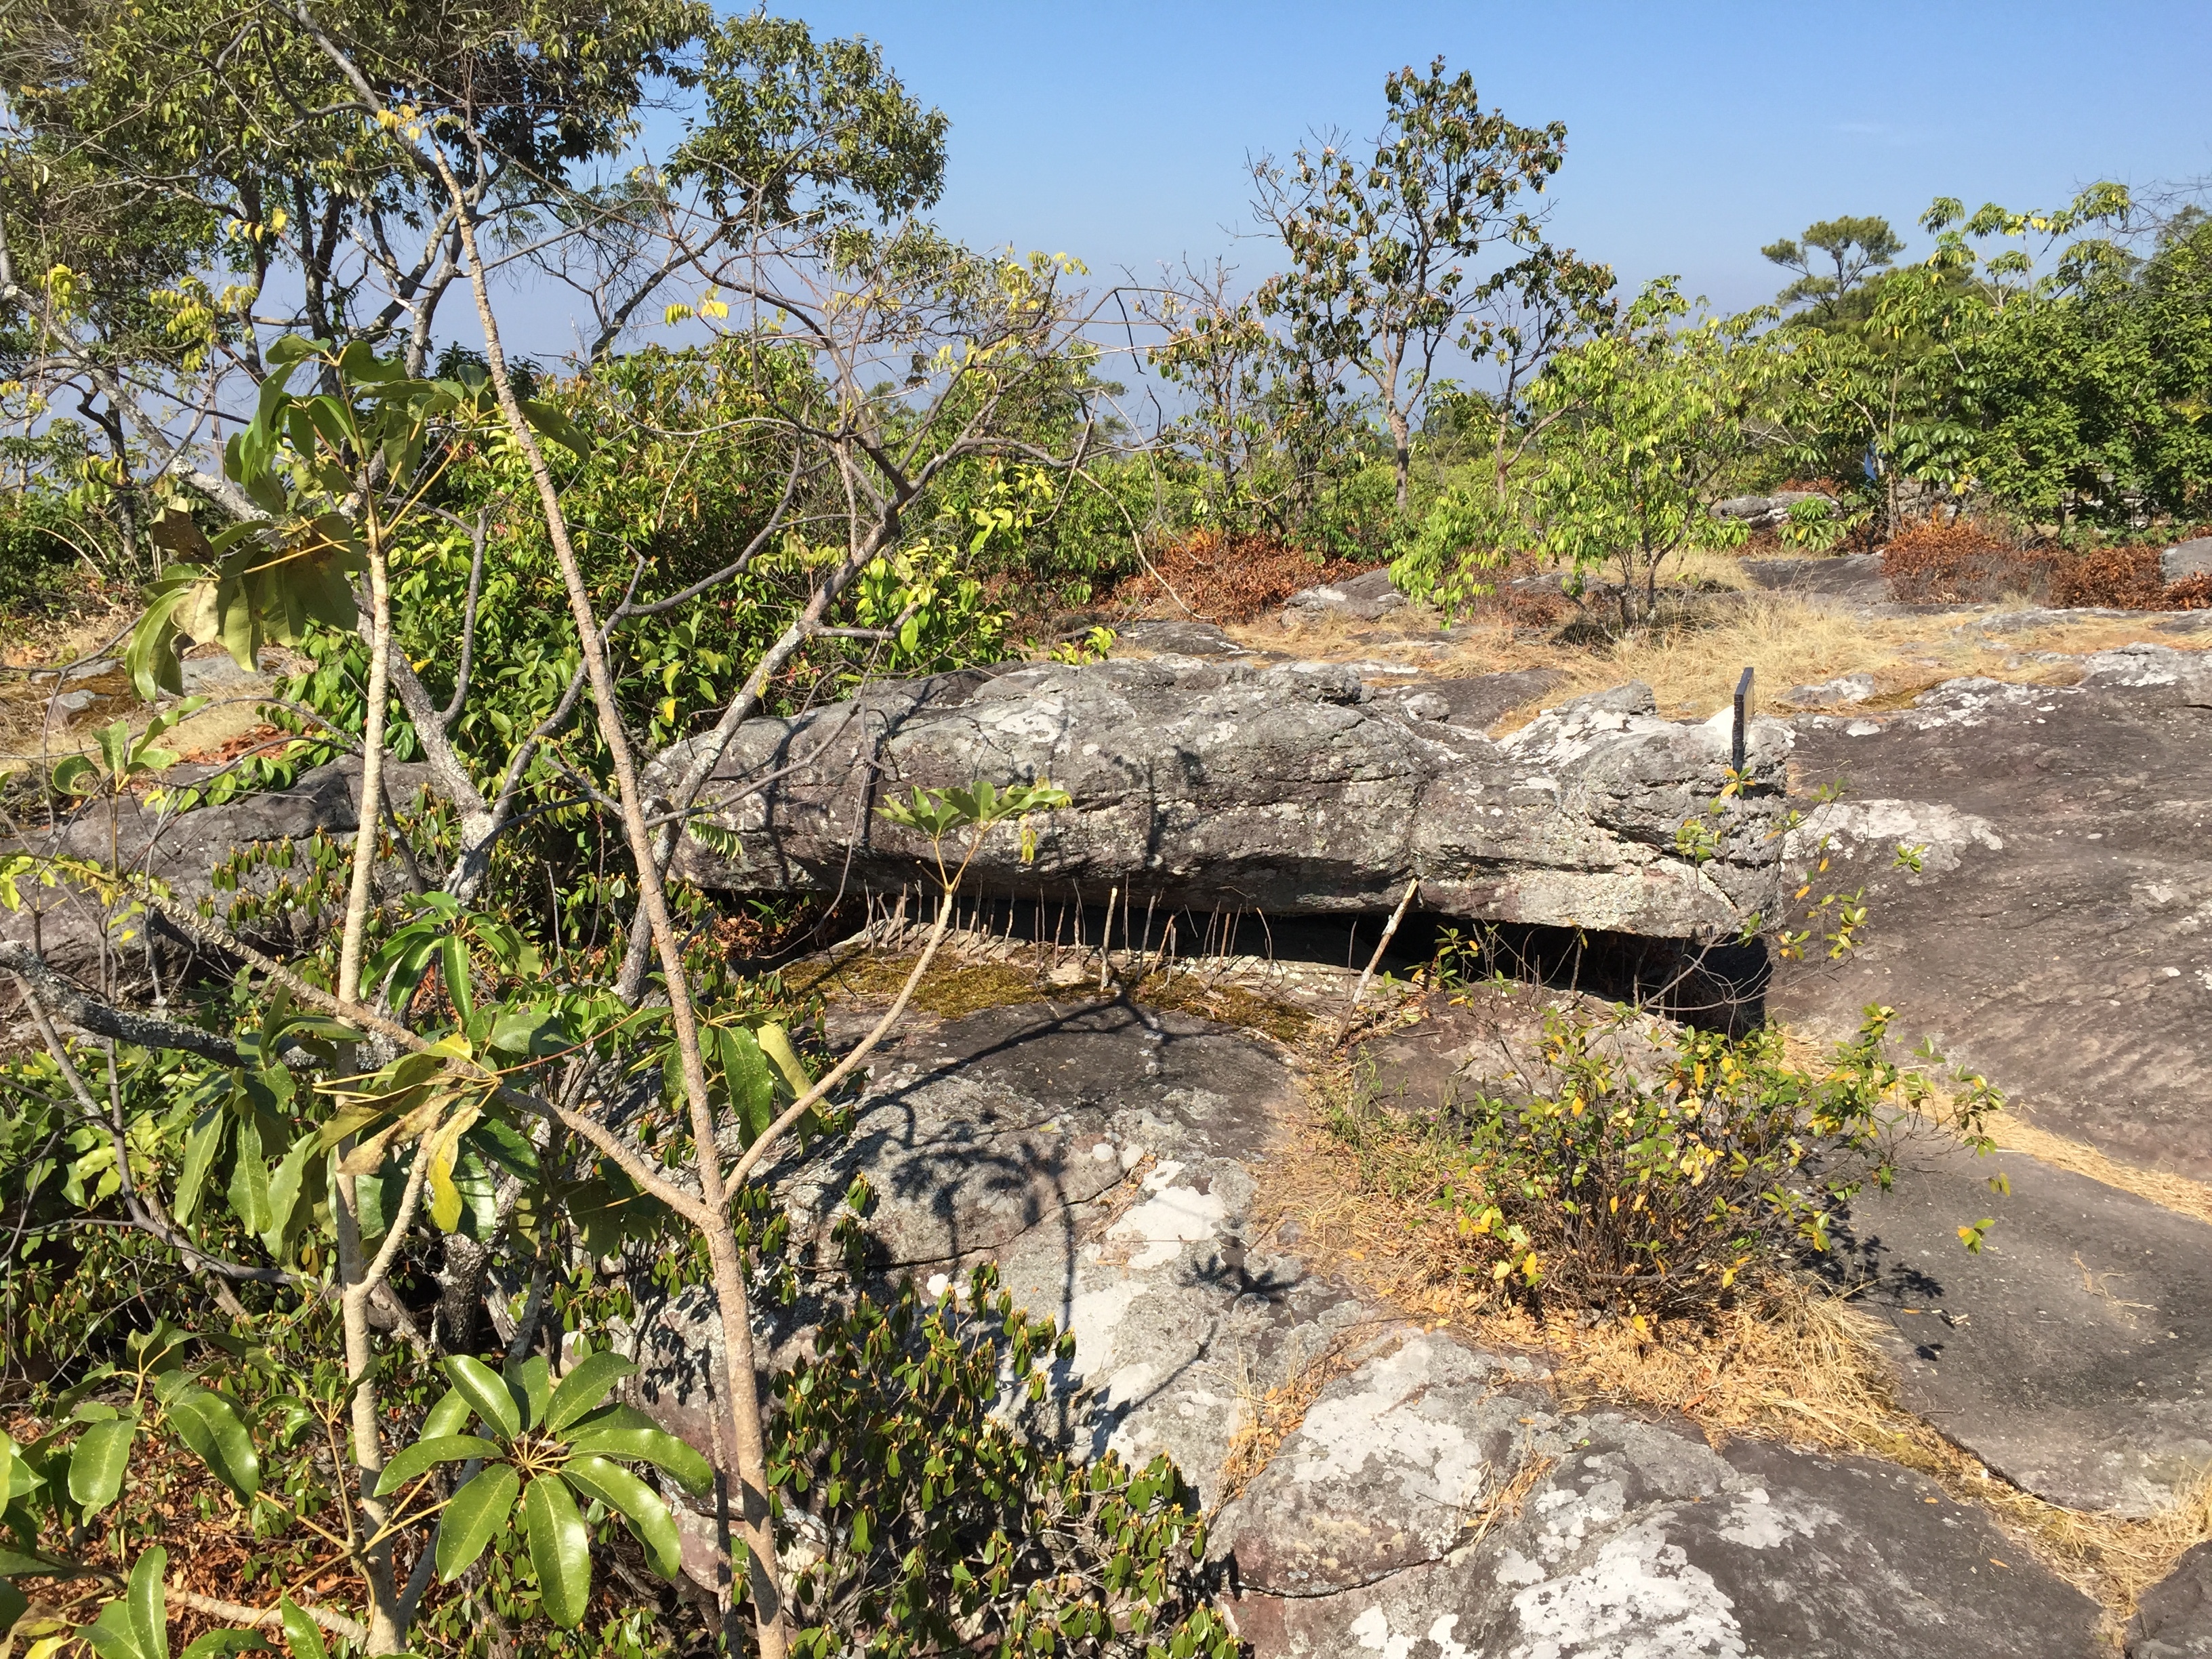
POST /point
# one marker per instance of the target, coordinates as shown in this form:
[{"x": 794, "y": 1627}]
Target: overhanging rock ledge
[{"x": 1298, "y": 788}]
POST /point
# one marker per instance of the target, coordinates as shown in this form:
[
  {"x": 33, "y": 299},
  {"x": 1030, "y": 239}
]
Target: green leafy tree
[
  {"x": 1659, "y": 418},
  {"x": 1835, "y": 261},
  {"x": 1391, "y": 262}
]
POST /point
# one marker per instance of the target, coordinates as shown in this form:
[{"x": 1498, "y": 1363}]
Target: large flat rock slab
[
  {"x": 2058, "y": 941},
  {"x": 1292, "y": 788},
  {"x": 2173, "y": 1620},
  {"x": 1523, "y": 1533},
  {"x": 2073, "y": 1354}
]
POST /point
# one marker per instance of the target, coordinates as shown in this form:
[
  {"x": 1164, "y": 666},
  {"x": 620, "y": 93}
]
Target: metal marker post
[{"x": 1742, "y": 706}]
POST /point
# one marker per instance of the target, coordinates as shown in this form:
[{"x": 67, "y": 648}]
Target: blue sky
[{"x": 1696, "y": 133}]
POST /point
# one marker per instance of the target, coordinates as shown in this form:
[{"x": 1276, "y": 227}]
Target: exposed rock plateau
[{"x": 1438, "y": 1501}]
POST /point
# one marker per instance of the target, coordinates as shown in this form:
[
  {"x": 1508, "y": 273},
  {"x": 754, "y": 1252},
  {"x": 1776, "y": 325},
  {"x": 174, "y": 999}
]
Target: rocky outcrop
[
  {"x": 1430, "y": 1506},
  {"x": 2058, "y": 940},
  {"x": 1368, "y": 597},
  {"x": 1295, "y": 788},
  {"x": 2184, "y": 561},
  {"x": 1436, "y": 1500},
  {"x": 79, "y": 937},
  {"x": 1764, "y": 512}
]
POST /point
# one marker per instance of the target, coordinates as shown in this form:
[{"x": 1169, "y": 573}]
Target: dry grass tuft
[
  {"x": 1791, "y": 1360},
  {"x": 1271, "y": 1416},
  {"x": 2172, "y": 1192}
]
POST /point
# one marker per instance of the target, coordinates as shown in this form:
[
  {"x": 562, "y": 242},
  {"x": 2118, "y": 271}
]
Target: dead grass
[
  {"x": 1271, "y": 1416},
  {"x": 1693, "y": 665},
  {"x": 1792, "y": 1362},
  {"x": 2172, "y": 1192}
]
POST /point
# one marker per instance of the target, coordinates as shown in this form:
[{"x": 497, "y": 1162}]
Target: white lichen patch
[
  {"x": 1172, "y": 1217},
  {"x": 1638, "y": 1597},
  {"x": 1381, "y": 1436}
]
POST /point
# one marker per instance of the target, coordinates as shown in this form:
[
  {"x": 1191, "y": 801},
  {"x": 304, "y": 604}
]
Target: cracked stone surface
[
  {"x": 2173, "y": 1620},
  {"x": 2068, "y": 1354},
  {"x": 2059, "y": 937},
  {"x": 1293, "y": 787},
  {"x": 1632, "y": 1539}
]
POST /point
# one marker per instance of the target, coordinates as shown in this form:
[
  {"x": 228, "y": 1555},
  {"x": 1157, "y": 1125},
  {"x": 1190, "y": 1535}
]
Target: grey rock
[
  {"x": 1292, "y": 788},
  {"x": 1843, "y": 688},
  {"x": 1384, "y": 1470},
  {"x": 1633, "y": 698},
  {"x": 2186, "y": 559},
  {"x": 62, "y": 704},
  {"x": 1848, "y": 578},
  {"x": 1102, "y": 1155},
  {"x": 1633, "y": 1538},
  {"x": 2173, "y": 1619},
  {"x": 1764, "y": 512},
  {"x": 2068, "y": 1354},
  {"x": 2057, "y": 942},
  {"x": 1367, "y": 597},
  {"x": 1179, "y": 639},
  {"x": 73, "y": 931}
]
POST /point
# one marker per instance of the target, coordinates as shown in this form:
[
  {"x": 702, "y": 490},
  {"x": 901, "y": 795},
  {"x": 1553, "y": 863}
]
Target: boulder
[
  {"x": 1433, "y": 1504},
  {"x": 78, "y": 937},
  {"x": 1843, "y": 688},
  {"x": 1368, "y": 597},
  {"x": 2184, "y": 560},
  {"x": 1292, "y": 788},
  {"x": 1764, "y": 512}
]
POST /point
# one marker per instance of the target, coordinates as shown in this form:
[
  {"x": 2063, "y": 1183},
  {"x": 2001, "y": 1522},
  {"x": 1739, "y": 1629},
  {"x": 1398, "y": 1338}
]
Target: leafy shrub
[
  {"x": 1961, "y": 563},
  {"x": 1648, "y": 1197},
  {"x": 937, "y": 1525}
]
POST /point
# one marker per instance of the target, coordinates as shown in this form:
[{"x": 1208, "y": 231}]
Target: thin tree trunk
[{"x": 732, "y": 1307}]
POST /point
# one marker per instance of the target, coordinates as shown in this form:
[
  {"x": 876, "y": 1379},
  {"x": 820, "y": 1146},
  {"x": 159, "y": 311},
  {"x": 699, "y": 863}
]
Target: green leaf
[
  {"x": 557, "y": 426},
  {"x": 486, "y": 1391},
  {"x": 529, "y": 1031},
  {"x": 474, "y": 1518},
  {"x": 746, "y": 1075},
  {"x": 644, "y": 1445},
  {"x": 110, "y": 1634},
  {"x": 149, "y": 1604},
  {"x": 249, "y": 1176},
  {"x": 300, "y": 1633},
  {"x": 227, "y": 1641},
  {"x": 530, "y": 1382},
  {"x": 99, "y": 1461},
  {"x": 586, "y": 1385},
  {"x": 13, "y": 1604},
  {"x": 637, "y": 1503},
  {"x": 415, "y": 1460},
  {"x": 200, "y": 1148},
  {"x": 449, "y": 1416},
  {"x": 211, "y": 1426},
  {"x": 560, "y": 1549},
  {"x": 284, "y": 1193}
]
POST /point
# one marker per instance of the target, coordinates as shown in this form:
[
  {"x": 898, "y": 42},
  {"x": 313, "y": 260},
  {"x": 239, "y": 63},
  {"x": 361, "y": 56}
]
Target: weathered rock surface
[
  {"x": 2057, "y": 939},
  {"x": 1764, "y": 512},
  {"x": 2174, "y": 1618},
  {"x": 2069, "y": 1353},
  {"x": 2186, "y": 559},
  {"x": 72, "y": 931},
  {"x": 1434, "y": 1506},
  {"x": 1366, "y": 598},
  {"x": 1293, "y": 789}
]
